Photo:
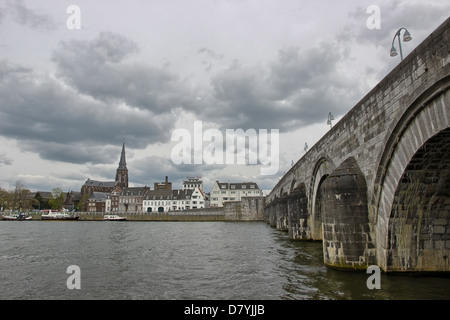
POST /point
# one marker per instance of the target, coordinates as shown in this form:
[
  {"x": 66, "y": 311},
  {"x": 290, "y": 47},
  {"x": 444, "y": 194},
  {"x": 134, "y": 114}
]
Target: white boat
[
  {"x": 58, "y": 216},
  {"x": 114, "y": 217},
  {"x": 16, "y": 217}
]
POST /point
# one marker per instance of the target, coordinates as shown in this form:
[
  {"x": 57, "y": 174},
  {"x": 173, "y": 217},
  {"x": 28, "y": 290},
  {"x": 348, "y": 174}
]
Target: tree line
[{"x": 22, "y": 199}]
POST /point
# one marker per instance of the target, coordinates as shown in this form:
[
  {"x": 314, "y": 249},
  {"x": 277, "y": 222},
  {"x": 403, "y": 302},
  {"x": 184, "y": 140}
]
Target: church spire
[
  {"x": 123, "y": 162},
  {"x": 122, "y": 171}
]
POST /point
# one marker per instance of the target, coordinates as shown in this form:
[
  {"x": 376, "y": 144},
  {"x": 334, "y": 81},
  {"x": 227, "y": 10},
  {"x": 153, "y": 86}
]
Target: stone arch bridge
[{"x": 376, "y": 188}]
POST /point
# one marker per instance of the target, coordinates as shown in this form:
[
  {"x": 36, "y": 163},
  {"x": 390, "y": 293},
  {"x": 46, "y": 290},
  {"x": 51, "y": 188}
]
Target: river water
[{"x": 181, "y": 260}]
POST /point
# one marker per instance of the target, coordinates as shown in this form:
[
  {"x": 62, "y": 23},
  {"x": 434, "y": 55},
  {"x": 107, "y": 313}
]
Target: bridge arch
[
  {"x": 322, "y": 169},
  {"x": 413, "y": 171}
]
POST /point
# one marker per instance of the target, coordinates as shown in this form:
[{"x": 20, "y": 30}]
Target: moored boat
[
  {"x": 58, "y": 216},
  {"x": 16, "y": 217},
  {"x": 114, "y": 217}
]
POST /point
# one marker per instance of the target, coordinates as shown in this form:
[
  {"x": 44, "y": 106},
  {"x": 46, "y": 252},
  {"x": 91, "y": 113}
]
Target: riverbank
[
  {"x": 98, "y": 216},
  {"x": 248, "y": 209}
]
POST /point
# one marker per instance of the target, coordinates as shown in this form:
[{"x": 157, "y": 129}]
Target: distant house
[
  {"x": 198, "y": 198},
  {"x": 71, "y": 200},
  {"x": 115, "y": 199},
  {"x": 97, "y": 202},
  {"x": 192, "y": 182},
  {"x": 166, "y": 185},
  {"x": 43, "y": 197},
  {"x": 158, "y": 201},
  {"x": 130, "y": 199},
  {"x": 224, "y": 191}
]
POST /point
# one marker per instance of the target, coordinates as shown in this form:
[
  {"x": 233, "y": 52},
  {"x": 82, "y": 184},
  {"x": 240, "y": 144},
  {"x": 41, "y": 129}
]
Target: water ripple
[{"x": 176, "y": 260}]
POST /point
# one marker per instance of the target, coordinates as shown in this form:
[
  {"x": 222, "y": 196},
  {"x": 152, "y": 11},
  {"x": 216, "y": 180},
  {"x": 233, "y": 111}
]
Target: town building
[
  {"x": 192, "y": 182},
  {"x": 158, "y": 201},
  {"x": 115, "y": 199},
  {"x": 91, "y": 186},
  {"x": 166, "y": 185},
  {"x": 98, "y": 202},
  {"x": 71, "y": 200},
  {"x": 130, "y": 199},
  {"x": 224, "y": 191}
]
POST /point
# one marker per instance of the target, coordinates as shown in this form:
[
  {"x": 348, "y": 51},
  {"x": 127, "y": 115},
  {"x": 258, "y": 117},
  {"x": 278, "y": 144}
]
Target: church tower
[{"x": 122, "y": 171}]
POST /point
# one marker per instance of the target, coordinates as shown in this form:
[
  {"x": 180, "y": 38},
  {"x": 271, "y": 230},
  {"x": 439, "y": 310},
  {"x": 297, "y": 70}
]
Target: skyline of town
[{"x": 143, "y": 70}]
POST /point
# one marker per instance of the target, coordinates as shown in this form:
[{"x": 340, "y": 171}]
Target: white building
[
  {"x": 158, "y": 201},
  {"x": 192, "y": 182},
  {"x": 222, "y": 192}
]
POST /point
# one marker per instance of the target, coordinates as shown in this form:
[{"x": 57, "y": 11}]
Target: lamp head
[
  {"x": 393, "y": 52},
  {"x": 407, "y": 36}
]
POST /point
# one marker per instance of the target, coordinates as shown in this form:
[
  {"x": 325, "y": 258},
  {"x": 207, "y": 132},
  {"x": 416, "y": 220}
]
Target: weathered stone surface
[
  {"x": 393, "y": 136},
  {"x": 346, "y": 218}
]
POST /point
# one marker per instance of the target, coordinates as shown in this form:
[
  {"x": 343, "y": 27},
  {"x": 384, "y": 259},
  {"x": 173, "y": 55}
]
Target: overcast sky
[{"x": 141, "y": 69}]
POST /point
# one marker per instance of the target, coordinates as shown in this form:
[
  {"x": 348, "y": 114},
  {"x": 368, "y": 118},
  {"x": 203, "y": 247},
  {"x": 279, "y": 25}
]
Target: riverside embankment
[{"x": 248, "y": 209}]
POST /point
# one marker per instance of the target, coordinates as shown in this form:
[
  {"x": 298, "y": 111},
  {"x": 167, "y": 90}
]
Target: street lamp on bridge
[
  {"x": 330, "y": 117},
  {"x": 406, "y": 37}
]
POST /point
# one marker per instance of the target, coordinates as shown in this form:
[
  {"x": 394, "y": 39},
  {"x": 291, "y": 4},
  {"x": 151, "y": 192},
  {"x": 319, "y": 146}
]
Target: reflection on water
[{"x": 182, "y": 260}]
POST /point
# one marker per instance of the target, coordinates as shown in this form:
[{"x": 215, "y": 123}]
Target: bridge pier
[
  {"x": 270, "y": 214},
  {"x": 297, "y": 205},
  {"x": 282, "y": 213},
  {"x": 347, "y": 240}
]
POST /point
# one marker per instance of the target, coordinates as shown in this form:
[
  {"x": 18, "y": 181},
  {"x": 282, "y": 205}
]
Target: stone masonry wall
[{"x": 372, "y": 134}]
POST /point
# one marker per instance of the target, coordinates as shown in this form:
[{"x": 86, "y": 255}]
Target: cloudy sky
[{"x": 140, "y": 69}]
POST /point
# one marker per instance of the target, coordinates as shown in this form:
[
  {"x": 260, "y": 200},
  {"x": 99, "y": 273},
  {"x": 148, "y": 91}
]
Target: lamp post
[
  {"x": 406, "y": 37},
  {"x": 330, "y": 117}
]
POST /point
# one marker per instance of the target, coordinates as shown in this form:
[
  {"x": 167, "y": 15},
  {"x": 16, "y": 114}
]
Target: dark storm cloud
[
  {"x": 73, "y": 152},
  {"x": 61, "y": 124},
  {"x": 30, "y": 18},
  {"x": 298, "y": 88},
  {"x": 99, "y": 68}
]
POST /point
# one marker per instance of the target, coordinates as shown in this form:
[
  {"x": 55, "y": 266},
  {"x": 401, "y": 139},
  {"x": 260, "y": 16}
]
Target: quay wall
[{"x": 248, "y": 209}]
